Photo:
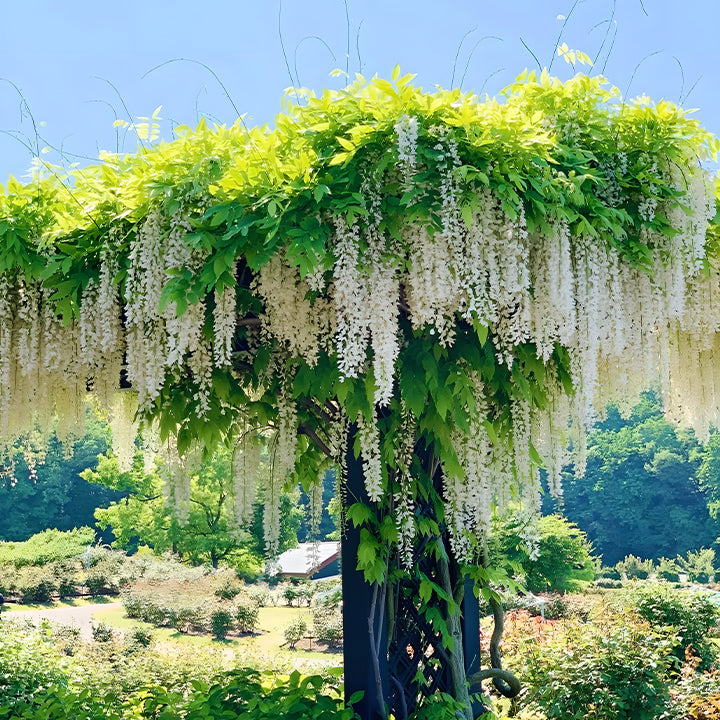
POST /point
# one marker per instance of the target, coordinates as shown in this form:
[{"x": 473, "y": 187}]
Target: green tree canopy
[
  {"x": 558, "y": 558},
  {"x": 209, "y": 532},
  {"x": 642, "y": 492},
  {"x": 42, "y": 486}
]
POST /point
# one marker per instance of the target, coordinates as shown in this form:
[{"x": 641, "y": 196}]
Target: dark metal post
[
  {"x": 471, "y": 636},
  {"x": 361, "y": 664},
  {"x": 471, "y": 628}
]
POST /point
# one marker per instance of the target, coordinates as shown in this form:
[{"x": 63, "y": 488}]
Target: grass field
[{"x": 267, "y": 642}]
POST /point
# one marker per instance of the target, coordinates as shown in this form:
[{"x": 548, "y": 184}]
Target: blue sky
[{"x": 69, "y": 69}]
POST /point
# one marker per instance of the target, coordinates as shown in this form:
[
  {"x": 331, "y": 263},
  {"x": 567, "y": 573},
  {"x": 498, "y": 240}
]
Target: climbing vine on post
[{"x": 458, "y": 286}]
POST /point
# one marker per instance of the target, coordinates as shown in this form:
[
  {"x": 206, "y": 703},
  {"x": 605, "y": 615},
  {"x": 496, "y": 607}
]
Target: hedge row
[{"x": 180, "y": 606}]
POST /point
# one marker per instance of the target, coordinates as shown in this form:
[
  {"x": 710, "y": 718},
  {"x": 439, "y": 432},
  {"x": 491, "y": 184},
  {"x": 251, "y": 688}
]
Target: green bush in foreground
[
  {"x": 693, "y": 616},
  {"x": 27, "y": 665},
  {"x": 249, "y": 693},
  {"x": 246, "y": 693},
  {"x": 618, "y": 672}
]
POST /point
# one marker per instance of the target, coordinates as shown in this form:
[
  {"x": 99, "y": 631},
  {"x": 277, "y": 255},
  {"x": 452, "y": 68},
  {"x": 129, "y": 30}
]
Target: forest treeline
[{"x": 649, "y": 489}]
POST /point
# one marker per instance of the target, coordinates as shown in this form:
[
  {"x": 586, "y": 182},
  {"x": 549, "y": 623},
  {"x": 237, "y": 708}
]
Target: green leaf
[
  {"x": 425, "y": 590},
  {"x": 359, "y": 513},
  {"x": 347, "y": 144}
]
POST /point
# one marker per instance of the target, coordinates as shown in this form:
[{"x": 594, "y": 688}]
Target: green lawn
[{"x": 267, "y": 642}]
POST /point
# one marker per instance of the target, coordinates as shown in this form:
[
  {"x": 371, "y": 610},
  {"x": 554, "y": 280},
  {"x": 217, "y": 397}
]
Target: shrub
[
  {"x": 700, "y": 565},
  {"x": 328, "y": 593},
  {"x": 705, "y": 708},
  {"x": 182, "y": 605},
  {"x": 35, "y": 584},
  {"x": 221, "y": 621},
  {"x": 140, "y": 636},
  {"x": 551, "y": 607},
  {"x": 260, "y": 594},
  {"x": 668, "y": 570},
  {"x": 605, "y": 582},
  {"x": 247, "y": 614},
  {"x": 327, "y": 625},
  {"x": 229, "y": 589},
  {"x": 298, "y": 592},
  {"x": 8, "y": 575},
  {"x": 634, "y": 568},
  {"x": 27, "y": 663},
  {"x": 693, "y": 615},
  {"x": 154, "y": 614},
  {"x": 47, "y": 546},
  {"x": 102, "y": 632},
  {"x": 189, "y": 618},
  {"x": 618, "y": 673},
  {"x": 238, "y": 693},
  {"x": 295, "y": 632},
  {"x": 96, "y": 582},
  {"x": 66, "y": 580},
  {"x": 611, "y": 573}
]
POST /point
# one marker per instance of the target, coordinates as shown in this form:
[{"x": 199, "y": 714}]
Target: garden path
[{"x": 80, "y": 616}]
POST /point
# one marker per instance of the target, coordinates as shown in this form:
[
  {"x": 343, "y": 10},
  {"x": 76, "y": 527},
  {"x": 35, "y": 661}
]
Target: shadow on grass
[{"x": 69, "y": 602}]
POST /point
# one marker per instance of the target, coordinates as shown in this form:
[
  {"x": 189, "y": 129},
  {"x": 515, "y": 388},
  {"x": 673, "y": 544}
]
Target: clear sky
[{"x": 70, "y": 68}]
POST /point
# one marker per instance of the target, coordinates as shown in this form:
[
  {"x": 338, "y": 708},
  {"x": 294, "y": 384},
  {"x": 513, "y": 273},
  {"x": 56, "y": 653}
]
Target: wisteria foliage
[{"x": 426, "y": 275}]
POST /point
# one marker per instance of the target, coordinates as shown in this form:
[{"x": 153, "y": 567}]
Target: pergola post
[
  {"x": 366, "y": 643},
  {"x": 365, "y": 665}
]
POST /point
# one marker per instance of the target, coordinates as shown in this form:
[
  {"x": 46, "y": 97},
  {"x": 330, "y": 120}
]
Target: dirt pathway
[{"x": 80, "y": 616}]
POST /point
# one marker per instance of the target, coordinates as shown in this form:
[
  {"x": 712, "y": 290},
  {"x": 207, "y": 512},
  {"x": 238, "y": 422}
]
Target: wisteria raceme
[
  {"x": 486, "y": 484},
  {"x": 405, "y": 522},
  {"x": 370, "y": 452},
  {"x": 124, "y": 427},
  {"x": 350, "y": 300},
  {"x": 177, "y": 472},
  {"x": 469, "y": 498},
  {"x": 553, "y": 309},
  {"x": 271, "y": 516},
  {"x": 158, "y": 342},
  {"x": 407, "y": 133},
  {"x": 404, "y": 497},
  {"x": 224, "y": 322},
  {"x": 549, "y": 432},
  {"x": 383, "y": 294},
  {"x": 289, "y": 315},
  {"x": 284, "y": 444},
  {"x": 245, "y": 472},
  {"x": 316, "y": 507}
]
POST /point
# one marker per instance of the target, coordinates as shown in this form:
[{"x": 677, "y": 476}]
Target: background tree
[
  {"x": 42, "y": 484},
  {"x": 552, "y": 556},
  {"x": 211, "y": 532},
  {"x": 327, "y": 527},
  {"x": 643, "y": 493}
]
